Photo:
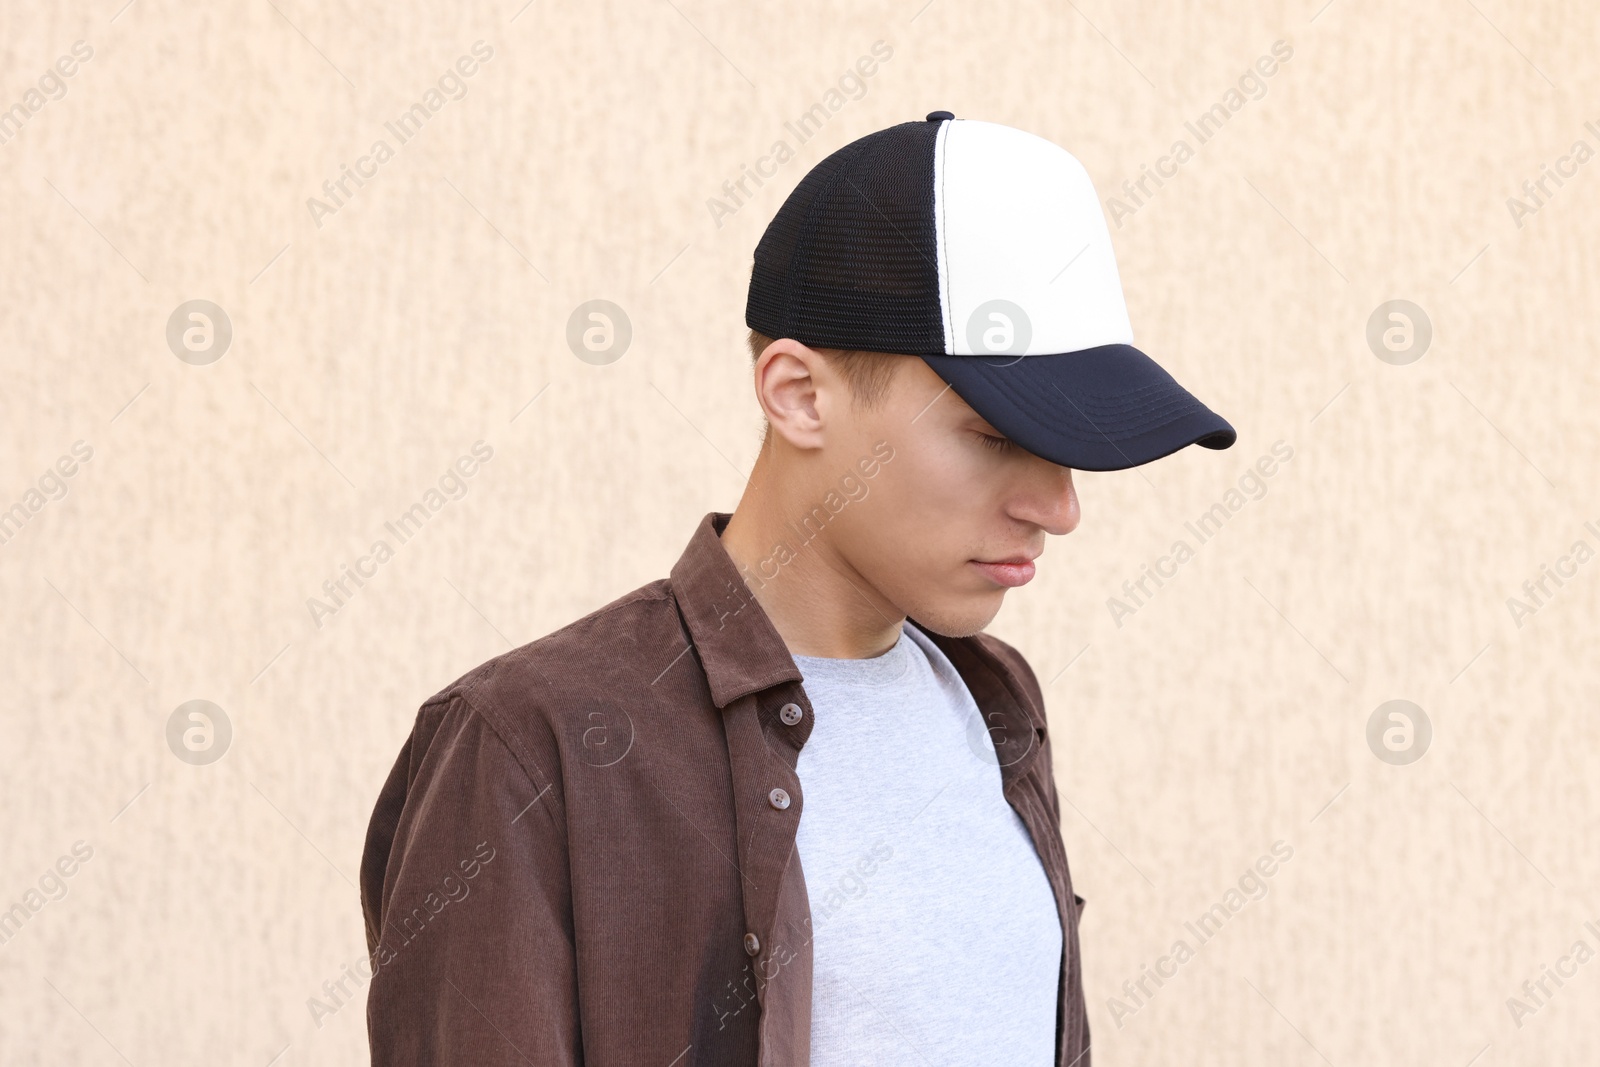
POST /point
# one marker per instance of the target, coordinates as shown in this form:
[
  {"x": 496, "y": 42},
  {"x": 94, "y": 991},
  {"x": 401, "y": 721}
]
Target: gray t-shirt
[{"x": 935, "y": 934}]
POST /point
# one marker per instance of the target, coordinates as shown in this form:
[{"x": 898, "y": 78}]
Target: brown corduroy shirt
[{"x": 580, "y": 857}]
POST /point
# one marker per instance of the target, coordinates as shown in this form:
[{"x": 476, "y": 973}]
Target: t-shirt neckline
[{"x": 883, "y": 669}]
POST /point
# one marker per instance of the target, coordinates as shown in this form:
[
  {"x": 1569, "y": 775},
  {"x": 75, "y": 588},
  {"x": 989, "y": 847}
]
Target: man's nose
[{"x": 1054, "y": 504}]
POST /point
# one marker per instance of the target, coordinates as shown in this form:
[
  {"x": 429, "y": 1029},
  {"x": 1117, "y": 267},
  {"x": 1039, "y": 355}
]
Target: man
[{"x": 791, "y": 805}]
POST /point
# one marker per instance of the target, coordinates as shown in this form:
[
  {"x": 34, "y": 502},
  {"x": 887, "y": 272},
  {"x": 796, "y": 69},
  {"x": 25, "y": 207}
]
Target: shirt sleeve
[{"x": 467, "y": 897}]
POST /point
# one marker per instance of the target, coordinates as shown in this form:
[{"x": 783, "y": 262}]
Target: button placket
[{"x": 762, "y": 752}]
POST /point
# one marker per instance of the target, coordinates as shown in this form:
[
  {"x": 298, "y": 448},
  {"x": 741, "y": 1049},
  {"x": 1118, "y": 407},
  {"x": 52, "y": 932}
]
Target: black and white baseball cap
[{"x": 983, "y": 249}]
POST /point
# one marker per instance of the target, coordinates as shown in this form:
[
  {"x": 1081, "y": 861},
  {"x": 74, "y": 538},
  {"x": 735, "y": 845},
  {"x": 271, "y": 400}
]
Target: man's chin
[{"x": 960, "y": 619}]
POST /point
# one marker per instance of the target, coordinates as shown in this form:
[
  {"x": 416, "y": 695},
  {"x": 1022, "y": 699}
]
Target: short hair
[{"x": 867, "y": 373}]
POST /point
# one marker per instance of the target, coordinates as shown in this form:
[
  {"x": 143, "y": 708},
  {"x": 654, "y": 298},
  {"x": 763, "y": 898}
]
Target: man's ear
[{"x": 797, "y": 390}]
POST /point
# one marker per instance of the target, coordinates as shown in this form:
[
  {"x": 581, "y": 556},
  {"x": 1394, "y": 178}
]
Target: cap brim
[{"x": 1100, "y": 409}]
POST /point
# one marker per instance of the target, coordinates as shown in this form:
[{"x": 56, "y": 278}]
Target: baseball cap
[{"x": 984, "y": 250}]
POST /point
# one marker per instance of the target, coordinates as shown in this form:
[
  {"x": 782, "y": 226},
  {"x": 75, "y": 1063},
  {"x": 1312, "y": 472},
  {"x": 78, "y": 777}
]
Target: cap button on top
[
  {"x": 939, "y": 116},
  {"x": 790, "y": 714},
  {"x": 779, "y": 799}
]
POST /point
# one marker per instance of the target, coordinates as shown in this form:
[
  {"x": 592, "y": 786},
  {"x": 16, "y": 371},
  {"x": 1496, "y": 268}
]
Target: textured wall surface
[{"x": 1402, "y": 152}]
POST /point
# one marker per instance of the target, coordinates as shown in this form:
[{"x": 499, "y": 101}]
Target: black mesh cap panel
[{"x": 850, "y": 259}]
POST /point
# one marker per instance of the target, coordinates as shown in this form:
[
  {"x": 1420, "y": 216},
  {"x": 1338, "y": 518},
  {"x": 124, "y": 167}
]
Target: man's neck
[{"x": 819, "y": 604}]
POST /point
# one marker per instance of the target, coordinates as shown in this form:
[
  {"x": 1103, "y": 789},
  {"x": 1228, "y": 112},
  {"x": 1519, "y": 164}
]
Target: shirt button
[
  {"x": 752, "y": 944},
  {"x": 790, "y": 714},
  {"x": 780, "y": 800}
]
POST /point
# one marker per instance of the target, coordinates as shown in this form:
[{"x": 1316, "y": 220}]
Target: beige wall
[{"x": 1226, "y": 713}]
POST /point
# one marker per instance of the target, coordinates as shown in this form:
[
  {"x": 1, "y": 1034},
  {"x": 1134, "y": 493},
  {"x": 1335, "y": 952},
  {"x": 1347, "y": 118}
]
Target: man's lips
[{"x": 1018, "y": 570}]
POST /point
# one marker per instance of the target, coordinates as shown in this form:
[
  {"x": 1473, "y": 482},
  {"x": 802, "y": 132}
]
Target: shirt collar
[{"x": 740, "y": 650}]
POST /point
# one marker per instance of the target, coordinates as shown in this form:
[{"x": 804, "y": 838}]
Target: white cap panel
[{"x": 1012, "y": 211}]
